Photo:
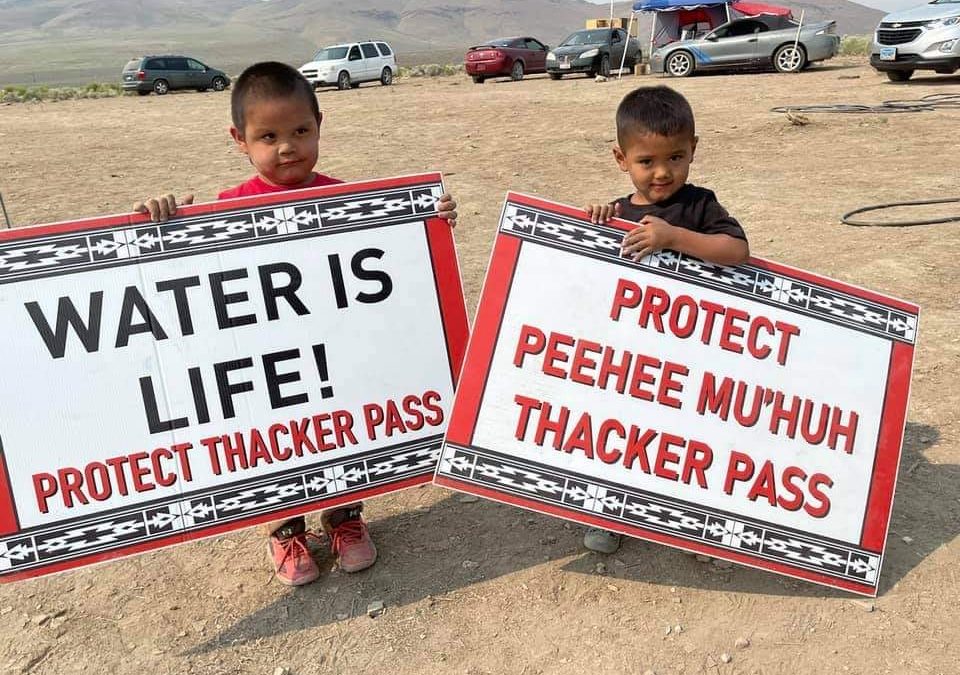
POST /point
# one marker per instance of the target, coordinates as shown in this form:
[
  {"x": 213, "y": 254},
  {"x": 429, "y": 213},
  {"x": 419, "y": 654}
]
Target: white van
[
  {"x": 920, "y": 38},
  {"x": 348, "y": 65}
]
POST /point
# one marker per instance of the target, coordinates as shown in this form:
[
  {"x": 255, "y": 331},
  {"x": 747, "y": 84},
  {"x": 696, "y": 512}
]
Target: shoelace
[
  {"x": 296, "y": 547},
  {"x": 347, "y": 533}
]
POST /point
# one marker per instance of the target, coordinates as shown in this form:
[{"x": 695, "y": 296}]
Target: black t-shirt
[{"x": 690, "y": 207}]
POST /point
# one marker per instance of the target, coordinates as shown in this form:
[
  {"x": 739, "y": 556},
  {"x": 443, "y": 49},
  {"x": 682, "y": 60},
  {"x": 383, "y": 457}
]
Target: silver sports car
[{"x": 752, "y": 43}]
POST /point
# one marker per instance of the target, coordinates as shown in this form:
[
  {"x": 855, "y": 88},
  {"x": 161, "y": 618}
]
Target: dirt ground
[{"x": 476, "y": 587}]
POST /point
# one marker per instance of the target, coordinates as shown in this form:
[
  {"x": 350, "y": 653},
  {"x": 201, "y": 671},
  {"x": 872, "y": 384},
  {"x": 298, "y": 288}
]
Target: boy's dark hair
[
  {"x": 268, "y": 79},
  {"x": 654, "y": 110}
]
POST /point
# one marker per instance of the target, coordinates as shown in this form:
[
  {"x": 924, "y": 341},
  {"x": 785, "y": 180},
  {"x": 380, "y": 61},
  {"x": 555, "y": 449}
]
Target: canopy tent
[{"x": 697, "y": 16}]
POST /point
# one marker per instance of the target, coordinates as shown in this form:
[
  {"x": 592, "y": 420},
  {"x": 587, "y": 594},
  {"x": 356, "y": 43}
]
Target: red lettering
[
  {"x": 756, "y": 351},
  {"x": 787, "y": 331},
  {"x": 823, "y": 508},
  {"x": 609, "y": 426},
  {"x": 740, "y": 468},
  {"x": 44, "y": 487},
  {"x": 581, "y": 362},
  {"x": 655, "y": 305},
  {"x": 698, "y": 459},
  {"x": 527, "y": 346},
  {"x": 554, "y": 355},
  {"x": 627, "y": 295}
]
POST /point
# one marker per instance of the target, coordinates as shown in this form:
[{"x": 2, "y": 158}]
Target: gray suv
[
  {"x": 921, "y": 38},
  {"x": 160, "y": 74}
]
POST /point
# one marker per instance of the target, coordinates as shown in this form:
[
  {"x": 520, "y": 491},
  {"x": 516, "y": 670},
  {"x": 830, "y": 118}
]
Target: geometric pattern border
[
  {"x": 106, "y": 246},
  {"x": 744, "y": 280},
  {"x": 198, "y": 511},
  {"x": 656, "y": 513}
]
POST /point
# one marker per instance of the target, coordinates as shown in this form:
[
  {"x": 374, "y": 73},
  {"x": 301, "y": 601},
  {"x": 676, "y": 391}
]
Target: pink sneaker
[
  {"x": 287, "y": 548},
  {"x": 349, "y": 539}
]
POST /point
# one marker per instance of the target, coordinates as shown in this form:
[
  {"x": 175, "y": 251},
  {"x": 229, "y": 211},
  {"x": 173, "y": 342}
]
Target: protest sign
[
  {"x": 752, "y": 413},
  {"x": 246, "y": 361}
]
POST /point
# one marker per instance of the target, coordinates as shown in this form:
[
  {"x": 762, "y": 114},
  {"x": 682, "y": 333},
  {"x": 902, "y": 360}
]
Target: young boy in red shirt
[
  {"x": 276, "y": 124},
  {"x": 656, "y": 139}
]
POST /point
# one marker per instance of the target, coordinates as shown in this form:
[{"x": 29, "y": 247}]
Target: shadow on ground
[{"x": 418, "y": 562}]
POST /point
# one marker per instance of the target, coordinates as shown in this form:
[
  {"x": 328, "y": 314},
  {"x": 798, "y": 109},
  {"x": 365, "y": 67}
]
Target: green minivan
[{"x": 161, "y": 74}]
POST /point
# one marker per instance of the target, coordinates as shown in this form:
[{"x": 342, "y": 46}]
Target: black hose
[
  {"x": 928, "y": 103},
  {"x": 845, "y": 218}
]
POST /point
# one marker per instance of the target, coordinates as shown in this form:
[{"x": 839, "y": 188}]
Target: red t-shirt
[{"x": 257, "y": 186}]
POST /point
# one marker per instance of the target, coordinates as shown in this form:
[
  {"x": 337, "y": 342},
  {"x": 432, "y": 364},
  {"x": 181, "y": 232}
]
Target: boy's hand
[
  {"x": 602, "y": 213},
  {"x": 161, "y": 208},
  {"x": 447, "y": 209},
  {"x": 654, "y": 234}
]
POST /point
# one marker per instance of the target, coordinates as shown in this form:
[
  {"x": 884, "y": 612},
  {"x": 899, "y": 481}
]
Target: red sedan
[{"x": 513, "y": 56}]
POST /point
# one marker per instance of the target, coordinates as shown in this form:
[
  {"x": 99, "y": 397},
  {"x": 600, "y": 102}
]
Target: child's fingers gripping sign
[
  {"x": 161, "y": 208},
  {"x": 602, "y": 213},
  {"x": 447, "y": 208}
]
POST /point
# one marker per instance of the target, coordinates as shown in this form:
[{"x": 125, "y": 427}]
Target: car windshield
[
  {"x": 331, "y": 54},
  {"x": 587, "y": 37},
  {"x": 945, "y": 2},
  {"x": 132, "y": 65},
  {"x": 503, "y": 42}
]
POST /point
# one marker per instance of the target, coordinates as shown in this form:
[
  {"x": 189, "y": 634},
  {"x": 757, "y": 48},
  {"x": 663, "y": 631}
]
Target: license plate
[
  {"x": 564, "y": 66},
  {"x": 481, "y": 68},
  {"x": 888, "y": 53}
]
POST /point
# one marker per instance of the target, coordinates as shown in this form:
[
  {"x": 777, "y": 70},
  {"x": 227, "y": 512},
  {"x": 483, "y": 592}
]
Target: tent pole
[
  {"x": 799, "y": 27},
  {"x": 726, "y": 6},
  {"x": 653, "y": 35},
  {"x": 611, "y": 12},
  {"x": 626, "y": 46}
]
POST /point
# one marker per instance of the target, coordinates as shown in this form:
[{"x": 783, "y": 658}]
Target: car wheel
[
  {"x": 789, "y": 58},
  {"x": 386, "y": 77},
  {"x": 679, "y": 64},
  {"x": 899, "y": 75},
  {"x": 161, "y": 87},
  {"x": 219, "y": 84},
  {"x": 477, "y": 79},
  {"x": 516, "y": 73},
  {"x": 143, "y": 93},
  {"x": 605, "y": 65},
  {"x": 343, "y": 80},
  {"x": 556, "y": 76}
]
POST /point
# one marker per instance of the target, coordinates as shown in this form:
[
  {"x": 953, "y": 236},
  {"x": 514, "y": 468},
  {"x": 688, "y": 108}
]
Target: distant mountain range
[{"x": 80, "y": 40}]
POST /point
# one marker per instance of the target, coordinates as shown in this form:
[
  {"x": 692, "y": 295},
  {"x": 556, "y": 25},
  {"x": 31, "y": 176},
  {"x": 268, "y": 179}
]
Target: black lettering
[
  {"x": 133, "y": 300},
  {"x": 88, "y": 332},
  {"x": 386, "y": 283},
  {"x": 288, "y": 292},
  {"x": 179, "y": 288},
  {"x": 222, "y": 299}
]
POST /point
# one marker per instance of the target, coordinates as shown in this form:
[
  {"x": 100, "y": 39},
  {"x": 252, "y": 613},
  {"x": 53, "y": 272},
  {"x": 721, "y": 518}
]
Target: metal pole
[
  {"x": 626, "y": 46},
  {"x": 796, "y": 40},
  {"x": 3, "y": 207},
  {"x": 653, "y": 35}
]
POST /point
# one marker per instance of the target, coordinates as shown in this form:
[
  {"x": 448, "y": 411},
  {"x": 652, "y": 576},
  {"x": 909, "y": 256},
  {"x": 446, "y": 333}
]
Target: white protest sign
[
  {"x": 753, "y": 413},
  {"x": 248, "y": 360}
]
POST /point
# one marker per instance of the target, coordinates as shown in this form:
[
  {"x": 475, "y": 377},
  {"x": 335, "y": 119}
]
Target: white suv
[
  {"x": 348, "y": 65},
  {"x": 920, "y": 38}
]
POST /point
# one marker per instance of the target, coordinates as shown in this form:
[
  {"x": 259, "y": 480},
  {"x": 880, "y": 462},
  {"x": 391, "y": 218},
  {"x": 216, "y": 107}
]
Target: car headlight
[
  {"x": 551, "y": 56},
  {"x": 589, "y": 54},
  {"x": 948, "y": 21}
]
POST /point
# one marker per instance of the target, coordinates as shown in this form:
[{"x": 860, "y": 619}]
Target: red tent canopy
[{"x": 755, "y": 8}]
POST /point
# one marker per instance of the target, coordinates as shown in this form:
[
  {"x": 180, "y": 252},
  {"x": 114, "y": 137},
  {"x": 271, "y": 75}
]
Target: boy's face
[
  {"x": 658, "y": 165},
  {"x": 281, "y": 138}
]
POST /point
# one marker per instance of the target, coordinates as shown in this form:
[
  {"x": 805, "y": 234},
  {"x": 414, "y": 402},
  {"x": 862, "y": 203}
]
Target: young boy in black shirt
[{"x": 656, "y": 140}]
